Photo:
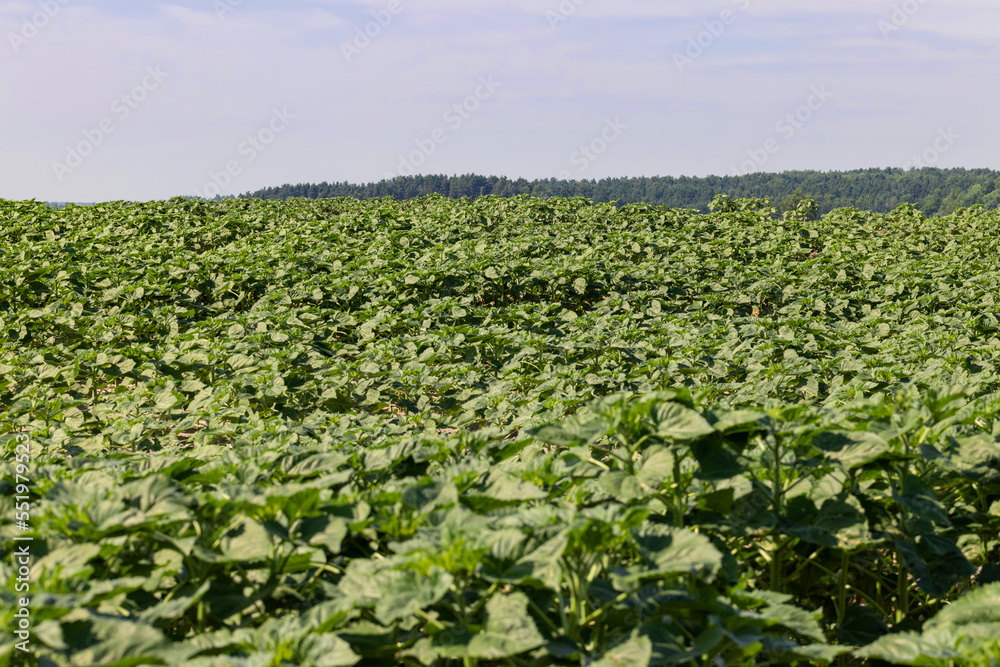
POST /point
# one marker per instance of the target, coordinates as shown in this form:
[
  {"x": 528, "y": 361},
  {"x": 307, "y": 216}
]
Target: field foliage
[{"x": 502, "y": 432}]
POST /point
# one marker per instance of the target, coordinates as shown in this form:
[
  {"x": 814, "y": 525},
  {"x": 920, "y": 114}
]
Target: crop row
[{"x": 503, "y": 431}]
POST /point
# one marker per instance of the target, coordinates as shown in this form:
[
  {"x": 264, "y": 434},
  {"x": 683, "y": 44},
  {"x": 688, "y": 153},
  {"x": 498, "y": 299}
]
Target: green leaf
[
  {"x": 246, "y": 540},
  {"x": 119, "y": 643},
  {"x": 325, "y": 531},
  {"x": 668, "y": 549},
  {"x": 572, "y": 431},
  {"x": 920, "y": 499},
  {"x": 936, "y": 563},
  {"x": 656, "y": 467},
  {"x": 192, "y": 386},
  {"x": 542, "y": 564},
  {"x": 623, "y": 486},
  {"x": 404, "y": 593},
  {"x": 720, "y": 501},
  {"x": 908, "y": 648},
  {"x": 851, "y": 449},
  {"x": 509, "y": 631},
  {"x": 69, "y": 561},
  {"x": 845, "y": 520},
  {"x": 737, "y": 421},
  {"x": 862, "y": 625},
  {"x": 981, "y": 605},
  {"x": 327, "y": 650},
  {"x": 676, "y": 422},
  {"x": 781, "y": 650},
  {"x": 448, "y": 644},
  {"x": 968, "y": 629},
  {"x": 164, "y": 400},
  {"x": 636, "y": 652},
  {"x": 716, "y": 461},
  {"x": 240, "y": 361},
  {"x": 778, "y": 611},
  {"x": 174, "y": 608},
  {"x": 506, "y": 487}
]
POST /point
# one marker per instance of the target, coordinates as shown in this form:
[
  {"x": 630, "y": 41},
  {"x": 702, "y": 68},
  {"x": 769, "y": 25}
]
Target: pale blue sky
[{"x": 127, "y": 100}]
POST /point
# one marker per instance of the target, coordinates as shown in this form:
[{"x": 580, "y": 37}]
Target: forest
[{"x": 935, "y": 192}]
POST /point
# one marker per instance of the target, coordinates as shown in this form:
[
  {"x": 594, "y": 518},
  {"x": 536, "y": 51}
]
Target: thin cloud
[{"x": 410, "y": 63}]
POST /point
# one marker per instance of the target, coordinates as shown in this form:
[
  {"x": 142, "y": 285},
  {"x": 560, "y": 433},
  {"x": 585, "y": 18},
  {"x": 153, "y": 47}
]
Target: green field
[{"x": 500, "y": 432}]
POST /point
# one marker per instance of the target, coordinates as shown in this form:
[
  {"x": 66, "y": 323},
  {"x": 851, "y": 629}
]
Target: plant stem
[
  {"x": 776, "y": 546},
  {"x": 678, "y": 494},
  {"x": 902, "y": 592}
]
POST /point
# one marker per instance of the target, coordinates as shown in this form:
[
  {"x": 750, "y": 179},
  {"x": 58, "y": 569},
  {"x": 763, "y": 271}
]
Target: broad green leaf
[
  {"x": 246, "y": 540},
  {"x": 636, "y": 652},
  {"x": 908, "y": 648},
  {"x": 851, "y": 448},
  {"x": 920, "y": 499},
  {"x": 509, "y": 631},
  {"x": 676, "y": 422},
  {"x": 981, "y": 605},
  {"x": 668, "y": 549},
  {"x": 862, "y": 626},
  {"x": 778, "y": 611},
  {"x": 542, "y": 564},
  {"x": 325, "y": 531},
  {"x": 327, "y": 650},
  {"x": 936, "y": 563},
  {"x": 403, "y": 593},
  {"x": 572, "y": 431},
  {"x": 622, "y": 486}
]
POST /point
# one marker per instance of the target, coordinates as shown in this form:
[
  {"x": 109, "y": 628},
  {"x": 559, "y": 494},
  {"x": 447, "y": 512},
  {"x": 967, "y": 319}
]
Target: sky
[{"x": 108, "y": 100}]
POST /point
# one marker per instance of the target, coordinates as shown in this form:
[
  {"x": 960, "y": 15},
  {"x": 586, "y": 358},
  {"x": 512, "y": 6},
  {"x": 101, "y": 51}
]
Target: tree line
[{"x": 933, "y": 191}]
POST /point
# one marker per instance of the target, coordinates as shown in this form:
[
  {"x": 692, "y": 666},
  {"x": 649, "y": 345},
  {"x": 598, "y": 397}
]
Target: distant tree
[
  {"x": 791, "y": 204},
  {"x": 934, "y": 191}
]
